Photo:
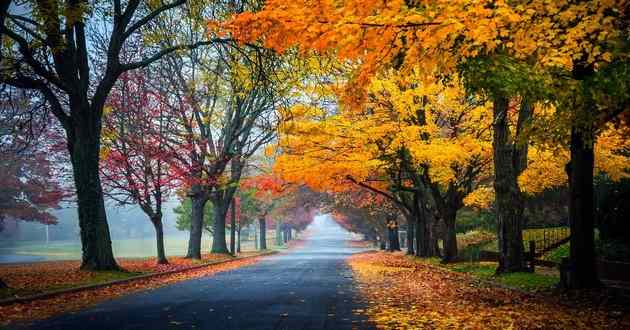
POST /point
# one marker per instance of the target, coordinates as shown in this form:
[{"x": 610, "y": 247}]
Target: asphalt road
[{"x": 307, "y": 288}]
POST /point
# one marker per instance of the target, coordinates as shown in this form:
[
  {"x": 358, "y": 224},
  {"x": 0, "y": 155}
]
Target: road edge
[{"x": 54, "y": 293}]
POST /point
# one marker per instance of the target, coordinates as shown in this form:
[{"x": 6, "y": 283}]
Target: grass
[
  {"x": 22, "y": 251},
  {"x": 521, "y": 280},
  {"x": 540, "y": 280},
  {"x": 94, "y": 278}
]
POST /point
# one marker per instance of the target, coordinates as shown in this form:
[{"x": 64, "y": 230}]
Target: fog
[{"x": 132, "y": 235}]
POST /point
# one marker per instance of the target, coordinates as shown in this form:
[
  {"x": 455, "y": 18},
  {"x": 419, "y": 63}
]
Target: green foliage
[
  {"x": 184, "y": 214},
  {"x": 503, "y": 75},
  {"x": 468, "y": 220}
]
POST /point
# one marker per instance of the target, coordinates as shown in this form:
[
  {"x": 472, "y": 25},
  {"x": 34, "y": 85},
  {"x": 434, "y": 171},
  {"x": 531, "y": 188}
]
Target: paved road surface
[{"x": 307, "y": 288}]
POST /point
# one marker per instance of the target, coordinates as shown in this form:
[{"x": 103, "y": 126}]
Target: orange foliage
[{"x": 404, "y": 294}]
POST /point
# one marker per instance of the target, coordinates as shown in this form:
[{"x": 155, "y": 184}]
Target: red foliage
[{"x": 136, "y": 160}]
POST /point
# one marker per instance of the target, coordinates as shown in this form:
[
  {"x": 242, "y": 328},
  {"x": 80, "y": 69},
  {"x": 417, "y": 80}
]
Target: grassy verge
[
  {"x": 93, "y": 278},
  {"x": 539, "y": 281}
]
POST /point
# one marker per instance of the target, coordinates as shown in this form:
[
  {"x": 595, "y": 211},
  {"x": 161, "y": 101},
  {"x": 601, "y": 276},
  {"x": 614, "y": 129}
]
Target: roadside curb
[{"x": 26, "y": 299}]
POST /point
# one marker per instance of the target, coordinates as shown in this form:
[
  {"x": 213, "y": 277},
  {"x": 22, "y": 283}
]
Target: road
[{"x": 310, "y": 287}]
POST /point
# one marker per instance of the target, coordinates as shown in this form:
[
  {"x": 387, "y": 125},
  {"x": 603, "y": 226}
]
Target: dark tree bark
[
  {"x": 280, "y": 233},
  {"x": 159, "y": 237},
  {"x": 263, "y": 233},
  {"x": 426, "y": 240},
  {"x": 233, "y": 228},
  {"x": 3, "y": 285},
  {"x": 392, "y": 232},
  {"x": 198, "y": 201},
  {"x": 238, "y": 242},
  {"x": 410, "y": 236},
  {"x": 450, "y": 236},
  {"x": 510, "y": 159},
  {"x": 219, "y": 244},
  {"x": 84, "y": 148},
  {"x": 583, "y": 270}
]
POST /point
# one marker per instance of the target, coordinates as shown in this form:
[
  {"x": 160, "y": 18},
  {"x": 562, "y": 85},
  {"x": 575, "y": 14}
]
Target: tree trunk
[
  {"x": 583, "y": 271},
  {"x": 410, "y": 235},
  {"x": 256, "y": 240},
  {"x": 263, "y": 233},
  {"x": 279, "y": 230},
  {"x": 508, "y": 199},
  {"x": 450, "y": 237},
  {"x": 198, "y": 201},
  {"x": 233, "y": 228},
  {"x": 219, "y": 244},
  {"x": 238, "y": 242},
  {"x": 396, "y": 238},
  {"x": 159, "y": 238},
  {"x": 84, "y": 148},
  {"x": 290, "y": 234},
  {"x": 3, "y": 285}
]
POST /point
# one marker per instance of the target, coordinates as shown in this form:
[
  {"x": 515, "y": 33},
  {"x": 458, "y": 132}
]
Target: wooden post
[{"x": 532, "y": 256}]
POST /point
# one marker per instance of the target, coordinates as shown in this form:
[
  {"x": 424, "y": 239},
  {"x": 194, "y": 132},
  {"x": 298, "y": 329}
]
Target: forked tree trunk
[
  {"x": 583, "y": 271},
  {"x": 263, "y": 233},
  {"x": 198, "y": 203},
  {"x": 159, "y": 238},
  {"x": 84, "y": 148},
  {"x": 508, "y": 199}
]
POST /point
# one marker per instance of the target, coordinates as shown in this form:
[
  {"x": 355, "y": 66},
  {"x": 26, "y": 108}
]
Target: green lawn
[
  {"x": 125, "y": 248},
  {"x": 524, "y": 281}
]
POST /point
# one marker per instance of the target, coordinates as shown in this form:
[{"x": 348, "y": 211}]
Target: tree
[
  {"x": 441, "y": 36},
  {"x": 184, "y": 215},
  {"x": 29, "y": 176},
  {"x": 45, "y": 49},
  {"x": 135, "y": 158}
]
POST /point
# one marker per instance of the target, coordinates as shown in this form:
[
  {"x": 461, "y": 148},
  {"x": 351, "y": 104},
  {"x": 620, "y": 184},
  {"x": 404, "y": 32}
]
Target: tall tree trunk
[
  {"x": 219, "y": 244},
  {"x": 410, "y": 235},
  {"x": 159, "y": 238},
  {"x": 84, "y": 148},
  {"x": 396, "y": 237},
  {"x": 583, "y": 272},
  {"x": 279, "y": 230},
  {"x": 198, "y": 202},
  {"x": 256, "y": 240},
  {"x": 233, "y": 228},
  {"x": 450, "y": 237},
  {"x": 431, "y": 230},
  {"x": 238, "y": 242},
  {"x": 263, "y": 233},
  {"x": 290, "y": 234},
  {"x": 508, "y": 199},
  {"x": 3, "y": 285}
]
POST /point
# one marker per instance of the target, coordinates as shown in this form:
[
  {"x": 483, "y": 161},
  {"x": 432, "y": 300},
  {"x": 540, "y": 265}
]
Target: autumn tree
[
  {"x": 135, "y": 158},
  {"x": 573, "y": 41},
  {"x": 45, "y": 49},
  {"x": 30, "y": 178}
]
